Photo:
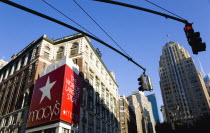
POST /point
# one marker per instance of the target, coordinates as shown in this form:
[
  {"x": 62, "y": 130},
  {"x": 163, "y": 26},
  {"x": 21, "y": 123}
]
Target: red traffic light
[{"x": 188, "y": 27}]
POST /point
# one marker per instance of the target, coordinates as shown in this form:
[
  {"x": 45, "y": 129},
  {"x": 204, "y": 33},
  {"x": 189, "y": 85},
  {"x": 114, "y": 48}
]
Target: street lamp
[{"x": 172, "y": 114}]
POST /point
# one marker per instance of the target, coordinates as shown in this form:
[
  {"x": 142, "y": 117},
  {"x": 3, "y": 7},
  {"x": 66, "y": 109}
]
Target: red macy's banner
[{"x": 56, "y": 96}]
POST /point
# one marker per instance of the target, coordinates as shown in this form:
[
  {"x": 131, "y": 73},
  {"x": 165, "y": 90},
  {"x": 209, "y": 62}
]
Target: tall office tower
[
  {"x": 183, "y": 90},
  {"x": 99, "y": 96},
  {"x": 141, "y": 120},
  {"x": 126, "y": 116},
  {"x": 146, "y": 107},
  {"x": 153, "y": 101},
  {"x": 207, "y": 82},
  {"x": 207, "y": 78},
  {"x": 2, "y": 63}
]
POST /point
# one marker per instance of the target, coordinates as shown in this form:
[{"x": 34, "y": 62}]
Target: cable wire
[
  {"x": 163, "y": 9},
  {"x": 70, "y": 27},
  {"x": 68, "y": 18},
  {"x": 101, "y": 28}
]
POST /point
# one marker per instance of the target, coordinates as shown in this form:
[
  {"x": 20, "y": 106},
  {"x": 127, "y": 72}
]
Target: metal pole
[{"x": 143, "y": 9}]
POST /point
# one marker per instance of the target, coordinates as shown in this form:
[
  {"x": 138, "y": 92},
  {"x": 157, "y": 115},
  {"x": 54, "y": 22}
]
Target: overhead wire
[
  {"x": 70, "y": 27},
  {"x": 101, "y": 27},
  {"x": 69, "y": 18},
  {"x": 164, "y": 9}
]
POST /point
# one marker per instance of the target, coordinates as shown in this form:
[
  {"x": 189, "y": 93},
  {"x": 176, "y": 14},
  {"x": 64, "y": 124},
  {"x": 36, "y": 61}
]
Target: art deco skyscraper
[{"x": 183, "y": 90}]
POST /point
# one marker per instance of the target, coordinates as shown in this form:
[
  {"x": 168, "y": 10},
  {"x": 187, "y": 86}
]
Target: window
[
  {"x": 102, "y": 70},
  {"x": 86, "y": 49},
  {"x": 121, "y": 102},
  {"x": 65, "y": 130},
  {"x": 51, "y": 130},
  {"x": 90, "y": 99},
  {"x": 107, "y": 98},
  {"x": 60, "y": 52},
  {"x": 97, "y": 106},
  {"x": 97, "y": 123},
  {"x": 23, "y": 60},
  {"x": 102, "y": 91},
  {"x": 91, "y": 55},
  {"x": 47, "y": 48},
  {"x": 91, "y": 78},
  {"x": 74, "y": 49},
  {"x": 97, "y": 63},
  {"x": 97, "y": 84},
  {"x": 16, "y": 65},
  {"x": 46, "y": 55},
  {"x": 90, "y": 119},
  {"x": 29, "y": 56},
  {"x": 84, "y": 97},
  {"x": 104, "y": 127}
]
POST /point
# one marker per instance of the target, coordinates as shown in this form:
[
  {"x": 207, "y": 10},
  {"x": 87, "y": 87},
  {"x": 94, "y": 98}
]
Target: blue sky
[{"x": 139, "y": 33}]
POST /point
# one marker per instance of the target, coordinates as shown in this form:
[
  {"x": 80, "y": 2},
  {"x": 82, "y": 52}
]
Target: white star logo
[{"x": 46, "y": 89}]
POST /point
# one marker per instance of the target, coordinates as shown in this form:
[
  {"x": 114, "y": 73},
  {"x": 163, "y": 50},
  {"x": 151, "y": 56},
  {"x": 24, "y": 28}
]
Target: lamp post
[{"x": 172, "y": 120}]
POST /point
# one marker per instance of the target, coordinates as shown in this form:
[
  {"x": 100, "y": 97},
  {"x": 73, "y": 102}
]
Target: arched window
[
  {"x": 75, "y": 45},
  {"x": 74, "y": 49},
  {"x": 47, "y": 48},
  {"x": 47, "y": 52},
  {"x": 60, "y": 52}
]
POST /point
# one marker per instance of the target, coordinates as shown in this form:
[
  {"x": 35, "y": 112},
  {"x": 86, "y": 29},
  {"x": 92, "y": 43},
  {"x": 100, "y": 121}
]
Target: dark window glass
[
  {"x": 51, "y": 130},
  {"x": 29, "y": 57},
  {"x": 46, "y": 55},
  {"x": 22, "y": 61}
]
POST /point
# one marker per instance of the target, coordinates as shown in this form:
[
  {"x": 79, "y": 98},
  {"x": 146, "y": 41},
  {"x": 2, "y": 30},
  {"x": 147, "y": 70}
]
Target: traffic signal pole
[
  {"x": 197, "y": 45},
  {"x": 70, "y": 27},
  {"x": 143, "y": 9}
]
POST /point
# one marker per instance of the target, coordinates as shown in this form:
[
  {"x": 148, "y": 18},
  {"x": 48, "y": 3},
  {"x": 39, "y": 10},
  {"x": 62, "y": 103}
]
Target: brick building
[{"x": 126, "y": 116}]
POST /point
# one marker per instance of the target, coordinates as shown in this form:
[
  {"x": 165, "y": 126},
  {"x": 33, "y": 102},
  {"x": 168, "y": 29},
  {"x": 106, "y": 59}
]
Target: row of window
[
  {"x": 99, "y": 66},
  {"x": 97, "y": 105},
  {"x": 60, "y": 53},
  {"x": 99, "y": 124},
  {"x": 23, "y": 61},
  {"x": 12, "y": 95},
  {"x": 100, "y": 88}
]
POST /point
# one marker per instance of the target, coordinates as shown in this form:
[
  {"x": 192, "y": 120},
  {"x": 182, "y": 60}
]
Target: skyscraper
[
  {"x": 153, "y": 101},
  {"x": 146, "y": 109},
  {"x": 207, "y": 82},
  {"x": 207, "y": 78},
  {"x": 141, "y": 120},
  {"x": 183, "y": 90}
]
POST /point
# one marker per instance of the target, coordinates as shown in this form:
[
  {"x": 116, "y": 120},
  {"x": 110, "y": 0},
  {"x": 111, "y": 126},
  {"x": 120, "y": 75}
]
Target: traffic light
[
  {"x": 141, "y": 80},
  {"x": 194, "y": 39},
  {"x": 149, "y": 83},
  {"x": 145, "y": 83}
]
